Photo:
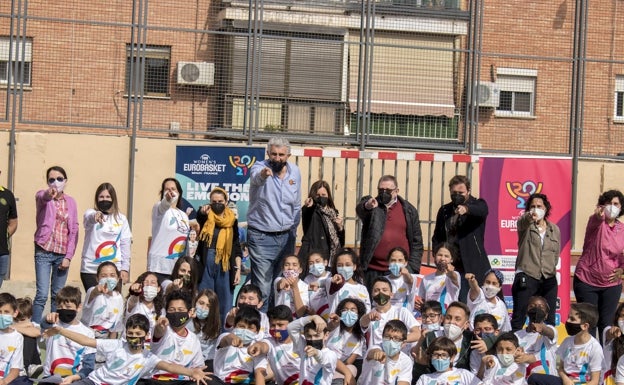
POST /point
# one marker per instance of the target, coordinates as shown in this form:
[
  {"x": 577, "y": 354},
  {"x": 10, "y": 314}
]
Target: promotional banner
[
  {"x": 202, "y": 168},
  {"x": 505, "y": 184}
]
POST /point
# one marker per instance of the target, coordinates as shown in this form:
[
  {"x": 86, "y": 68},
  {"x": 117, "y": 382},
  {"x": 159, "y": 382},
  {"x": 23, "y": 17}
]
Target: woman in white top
[
  {"x": 107, "y": 237},
  {"x": 170, "y": 229}
]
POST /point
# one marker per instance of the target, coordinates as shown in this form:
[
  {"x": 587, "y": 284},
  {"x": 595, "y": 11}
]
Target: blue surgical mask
[
  {"x": 349, "y": 318},
  {"x": 391, "y": 347},
  {"x": 431, "y": 327},
  {"x": 346, "y": 272},
  {"x": 6, "y": 320},
  {"x": 111, "y": 283},
  {"x": 395, "y": 269},
  {"x": 441, "y": 364},
  {"x": 246, "y": 335},
  {"x": 201, "y": 313},
  {"x": 317, "y": 269}
]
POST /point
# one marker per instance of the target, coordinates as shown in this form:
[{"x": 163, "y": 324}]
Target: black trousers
[{"x": 544, "y": 287}]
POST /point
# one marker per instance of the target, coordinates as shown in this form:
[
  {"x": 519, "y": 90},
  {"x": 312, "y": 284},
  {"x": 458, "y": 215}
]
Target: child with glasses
[
  {"x": 431, "y": 317},
  {"x": 441, "y": 353},
  {"x": 386, "y": 363}
]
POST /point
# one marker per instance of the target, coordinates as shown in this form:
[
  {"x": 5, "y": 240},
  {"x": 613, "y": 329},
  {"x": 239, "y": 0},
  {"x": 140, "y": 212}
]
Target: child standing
[
  {"x": 289, "y": 289},
  {"x": 443, "y": 285},
  {"x": 318, "y": 302},
  {"x": 581, "y": 354},
  {"x": 346, "y": 281},
  {"x": 488, "y": 298},
  {"x": 386, "y": 363},
  {"x": 318, "y": 363},
  {"x": 103, "y": 309},
  {"x": 501, "y": 369},
  {"x": 441, "y": 353}
]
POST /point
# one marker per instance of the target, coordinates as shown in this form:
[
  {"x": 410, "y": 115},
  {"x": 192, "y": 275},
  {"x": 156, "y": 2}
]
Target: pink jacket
[
  {"x": 603, "y": 251},
  {"x": 46, "y": 215}
]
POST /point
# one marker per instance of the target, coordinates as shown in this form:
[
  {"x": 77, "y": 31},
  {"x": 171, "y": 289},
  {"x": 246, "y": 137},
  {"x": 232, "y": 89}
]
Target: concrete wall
[{"x": 90, "y": 160}]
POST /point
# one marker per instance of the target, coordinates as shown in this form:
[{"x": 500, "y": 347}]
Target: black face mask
[
  {"x": 536, "y": 315},
  {"x": 66, "y": 316},
  {"x": 457, "y": 199},
  {"x": 316, "y": 344},
  {"x": 381, "y": 299},
  {"x": 104, "y": 206},
  {"x": 178, "y": 319},
  {"x": 321, "y": 201},
  {"x": 572, "y": 329},
  {"x": 384, "y": 197},
  {"x": 136, "y": 343},
  {"x": 276, "y": 166},
  {"x": 217, "y": 208}
]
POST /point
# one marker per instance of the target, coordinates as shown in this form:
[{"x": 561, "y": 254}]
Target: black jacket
[
  {"x": 470, "y": 231},
  {"x": 373, "y": 224},
  {"x": 315, "y": 234}
]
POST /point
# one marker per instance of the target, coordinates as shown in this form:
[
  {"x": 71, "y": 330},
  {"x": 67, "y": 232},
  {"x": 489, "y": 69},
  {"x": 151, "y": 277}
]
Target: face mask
[
  {"x": 104, "y": 206},
  {"x": 150, "y": 292},
  {"x": 457, "y": 199},
  {"x": 110, "y": 283},
  {"x": 6, "y": 320},
  {"x": 349, "y": 318},
  {"x": 536, "y": 315},
  {"x": 346, "y": 272},
  {"x": 177, "y": 319},
  {"x": 621, "y": 325},
  {"x": 247, "y": 336},
  {"x": 185, "y": 278},
  {"x": 316, "y": 344},
  {"x": 395, "y": 269},
  {"x": 381, "y": 299},
  {"x": 441, "y": 364},
  {"x": 611, "y": 211},
  {"x": 489, "y": 338},
  {"x": 490, "y": 291},
  {"x": 59, "y": 186},
  {"x": 452, "y": 331},
  {"x": 390, "y": 347},
  {"x": 217, "y": 208},
  {"x": 441, "y": 265},
  {"x": 505, "y": 359},
  {"x": 321, "y": 201},
  {"x": 384, "y": 198},
  {"x": 431, "y": 327},
  {"x": 201, "y": 313},
  {"x": 290, "y": 274},
  {"x": 539, "y": 212},
  {"x": 66, "y": 315},
  {"x": 572, "y": 328},
  {"x": 136, "y": 343},
  {"x": 276, "y": 166},
  {"x": 317, "y": 269},
  {"x": 279, "y": 334}
]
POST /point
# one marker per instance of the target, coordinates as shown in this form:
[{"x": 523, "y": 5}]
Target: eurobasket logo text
[
  {"x": 204, "y": 165},
  {"x": 242, "y": 164},
  {"x": 521, "y": 191}
]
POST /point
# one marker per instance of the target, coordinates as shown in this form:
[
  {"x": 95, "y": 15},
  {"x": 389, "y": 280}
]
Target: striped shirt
[{"x": 57, "y": 243}]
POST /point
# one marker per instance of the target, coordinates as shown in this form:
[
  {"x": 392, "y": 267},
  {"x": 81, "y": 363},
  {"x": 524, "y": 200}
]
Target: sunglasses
[{"x": 58, "y": 179}]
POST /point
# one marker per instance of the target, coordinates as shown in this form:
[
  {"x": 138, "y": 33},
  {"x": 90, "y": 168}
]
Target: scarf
[
  {"x": 328, "y": 214},
  {"x": 225, "y": 237}
]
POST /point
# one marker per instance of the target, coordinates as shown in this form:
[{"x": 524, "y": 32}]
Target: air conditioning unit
[
  {"x": 195, "y": 73},
  {"x": 488, "y": 94}
]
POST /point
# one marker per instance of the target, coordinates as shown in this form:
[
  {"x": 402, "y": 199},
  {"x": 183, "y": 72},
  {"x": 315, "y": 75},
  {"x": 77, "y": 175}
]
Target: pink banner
[{"x": 505, "y": 184}]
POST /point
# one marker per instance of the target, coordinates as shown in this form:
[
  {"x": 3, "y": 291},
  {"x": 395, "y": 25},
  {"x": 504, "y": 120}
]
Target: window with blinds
[{"x": 12, "y": 67}]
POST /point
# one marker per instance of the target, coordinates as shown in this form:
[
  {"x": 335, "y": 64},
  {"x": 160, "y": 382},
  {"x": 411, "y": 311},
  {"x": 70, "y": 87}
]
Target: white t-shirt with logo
[
  {"x": 348, "y": 290},
  {"x": 185, "y": 351},
  {"x": 579, "y": 361},
  {"x": 234, "y": 365},
  {"x": 542, "y": 348},
  {"x": 285, "y": 362},
  {"x": 439, "y": 288},
  {"x": 286, "y": 297},
  {"x": 318, "y": 370},
  {"x": 170, "y": 228},
  {"x": 404, "y": 294},
  {"x": 453, "y": 376},
  {"x": 318, "y": 299},
  {"x": 122, "y": 367},
  {"x": 64, "y": 357},
  {"x": 388, "y": 373},
  {"x": 345, "y": 344},
  {"x": 375, "y": 328},
  {"x": 106, "y": 241},
  {"x": 105, "y": 313},
  {"x": 11, "y": 351},
  {"x": 511, "y": 375},
  {"x": 498, "y": 309}
]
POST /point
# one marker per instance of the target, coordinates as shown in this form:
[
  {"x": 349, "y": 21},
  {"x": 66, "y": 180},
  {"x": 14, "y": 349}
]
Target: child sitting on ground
[
  {"x": 318, "y": 363},
  {"x": 502, "y": 368},
  {"x": 386, "y": 363}
]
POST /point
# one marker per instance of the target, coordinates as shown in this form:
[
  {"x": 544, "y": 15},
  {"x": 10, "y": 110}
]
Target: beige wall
[{"x": 90, "y": 160}]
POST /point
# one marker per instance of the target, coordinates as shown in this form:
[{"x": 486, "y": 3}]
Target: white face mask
[
  {"x": 490, "y": 291},
  {"x": 452, "y": 331},
  {"x": 611, "y": 211},
  {"x": 539, "y": 212},
  {"x": 59, "y": 186},
  {"x": 505, "y": 359},
  {"x": 621, "y": 325},
  {"x": 149, "y": 292}
]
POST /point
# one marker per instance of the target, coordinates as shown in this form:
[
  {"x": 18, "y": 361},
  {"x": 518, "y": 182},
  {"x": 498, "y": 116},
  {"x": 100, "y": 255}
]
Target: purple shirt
[
  {"x": 46, "y": 218},
  {"x": 603, "y": 251}
]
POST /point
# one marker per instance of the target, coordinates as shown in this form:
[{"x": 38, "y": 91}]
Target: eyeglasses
[
  {"x": 431, "y": 315},
  {"x": 393, "y": 339},
  {"x": 440, "y": 356},
  {"x": 386, "y": 190},
  {"x": 58, "y": 179}
]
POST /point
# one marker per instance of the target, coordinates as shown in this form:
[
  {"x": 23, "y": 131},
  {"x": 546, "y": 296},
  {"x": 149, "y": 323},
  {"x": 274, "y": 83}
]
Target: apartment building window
[
  {"x": 517, "y": 96},
  {"x": 155, "y": 79},
  {"x": 11, "y": 51},
  {"x": 619, "y": 98}
]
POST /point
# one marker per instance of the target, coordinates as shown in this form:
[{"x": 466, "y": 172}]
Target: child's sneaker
[{"x": 35, "y": 370}]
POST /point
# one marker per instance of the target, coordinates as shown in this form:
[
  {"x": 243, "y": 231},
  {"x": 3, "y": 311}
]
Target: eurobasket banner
[
  {"x": 202, "y": 168},
  {"x": 505, "y": 184}
]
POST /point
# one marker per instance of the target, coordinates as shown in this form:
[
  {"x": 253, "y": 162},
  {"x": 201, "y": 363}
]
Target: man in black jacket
[
  {"x": 462, "y": 223},
  {"x": 388, "y": 221}
]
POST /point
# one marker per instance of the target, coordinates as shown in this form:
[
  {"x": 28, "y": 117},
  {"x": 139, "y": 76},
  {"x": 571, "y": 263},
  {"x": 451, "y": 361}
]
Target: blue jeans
[
  {"x": 4, "y": 267},
  {"x": 214, "y": 278},
  {"x": 48, "y": 277},
  {"x": 267, "y": 252}
]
